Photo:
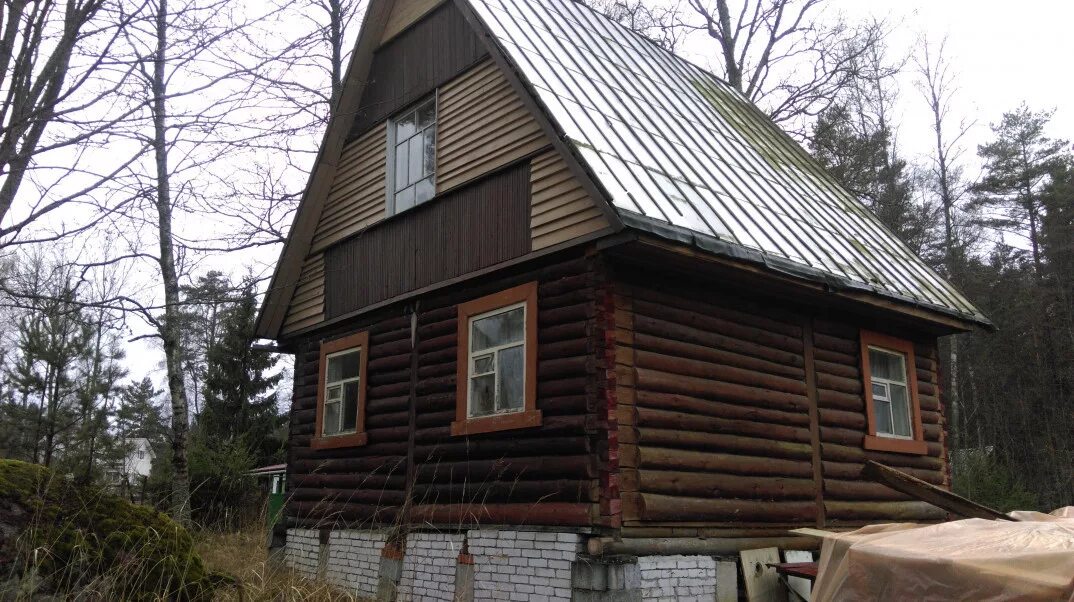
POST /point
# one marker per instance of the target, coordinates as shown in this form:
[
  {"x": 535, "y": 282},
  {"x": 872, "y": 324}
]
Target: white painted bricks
[
  {"x": 429, "y": 567},
  {"x": 303, "y": 550},
  {"x": 685, "y": 578},
  {"x": 354, "y": 560},
  {"x": 522, "y": 565}
]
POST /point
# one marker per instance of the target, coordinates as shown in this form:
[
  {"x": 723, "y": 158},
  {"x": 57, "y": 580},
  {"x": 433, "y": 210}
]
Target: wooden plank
[
  {"x": 814, "y": 417},
  {"x": 762, "y": 581},
  {"x": 927, "y": 492}
]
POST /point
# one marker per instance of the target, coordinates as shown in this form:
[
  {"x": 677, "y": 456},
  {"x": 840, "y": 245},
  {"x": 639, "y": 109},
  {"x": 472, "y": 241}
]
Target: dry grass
[{"x": 243, "y": 555}]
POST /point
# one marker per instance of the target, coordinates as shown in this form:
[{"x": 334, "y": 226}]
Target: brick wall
[
  {"x": 354, "y": 560},
  {"x": 522, "y": 565},
  {"x": 303, "y": 550},
  {"x": 429, "y": 566},
  {"x": 688, "y": 578}
]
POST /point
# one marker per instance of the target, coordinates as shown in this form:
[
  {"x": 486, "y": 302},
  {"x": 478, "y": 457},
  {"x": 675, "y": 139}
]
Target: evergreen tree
[
  {"x": 239, "y": 392},
  {"x": 861, "y": 157},
  {"x": 1017, "y": 164},
  {"x": 140, "y": 415}
]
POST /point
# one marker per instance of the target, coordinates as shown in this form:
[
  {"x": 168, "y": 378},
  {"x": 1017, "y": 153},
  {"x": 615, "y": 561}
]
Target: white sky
[{"x": 1004, "y": 53}]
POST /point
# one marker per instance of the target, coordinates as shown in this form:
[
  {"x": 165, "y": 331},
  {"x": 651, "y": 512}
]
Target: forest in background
[{"x": 149, "y": 147}]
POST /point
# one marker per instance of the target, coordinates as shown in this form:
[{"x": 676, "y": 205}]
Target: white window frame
[
  {"x": 391, "y": 136},
  {"x": 342, "y": 386},
  {"x": 905, "y": 384},
  {"x": 495, "y": 352}
]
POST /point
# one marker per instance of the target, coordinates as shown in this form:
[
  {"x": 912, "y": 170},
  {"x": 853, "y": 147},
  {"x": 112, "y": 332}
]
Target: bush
[
  {"x": 981, "y": 477},
  {"x": 60, "y": 538}
]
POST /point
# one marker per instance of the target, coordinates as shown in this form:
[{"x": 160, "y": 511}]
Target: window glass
[
  {"x": 498, "y": 362},
  {"x": 413, "y": 160},
  {"x": 499, "y": 329},
  {"x": 891, "y": 399},
  {"x": 342, "y": 381}
]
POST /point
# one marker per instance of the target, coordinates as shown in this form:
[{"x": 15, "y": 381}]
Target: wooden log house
[{"x": 547, "y": 274}]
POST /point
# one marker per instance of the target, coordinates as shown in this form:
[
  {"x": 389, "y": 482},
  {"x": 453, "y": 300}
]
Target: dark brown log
[
  {"x": 654, "y": 380},
  {"x": 498, "y": 492},
  {"x": 834, "y": 357},
  {"x": 850, "y": 371},
  {"x": 831, "y": 343},
  {"x": 563, "y": 332},
  {"x": 386, "y": 404},
  {"x": 505, "y": 469},
  {"x": 841, "y": 418},
  {"x": 767, "y": 318},
  {"x": 835, "y": 489},
  {"x": 755, "y": 446},
  {"x": 840, "y": 401},
  {"x": 886, "y": 511},
  {"x": 352, "y": 481},
  {"x": 716, "y": 340},
  {"x": 364, "y": 496},
  {"x": 567, "y": 404},
  {"x": 695, "y": 405},
  {"x": 841, "y": 436},
  {"x": 852, "y": 386},
  {"x": 380, "y": 464},
  {"x": 435, "y": 402},
  {"x": 656, "y": 507},
  {"x": 494, "y": 449},
  {"x": 565, "y": 368},
  {"x": 326, "y": 512},
  {"x": 716, "y": 485},
  {"x": 565, "y": 348},
  {"x": 566, "y": 386},
  {"x": 432, "y": 330},
  {"x": 719, "y": 372},
  {"x": 705, "y": 545},
  {"x": 679, "y": 459},
  {"x": 571, "y": 313},
  {"x": 852, "y": 470},
  {"x": 566, "y": 284},
  {"x": 689, "y": 422},
  {"x": 435, "y": 419},
  {"x": 437, "y": 343},
  {"x": 844, "y": 453},
  {"x": 674, "y": 348},
  {"x": 374, "y": 421}
]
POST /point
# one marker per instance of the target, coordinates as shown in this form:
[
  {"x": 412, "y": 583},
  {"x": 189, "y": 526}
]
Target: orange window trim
[
  {"x": 876, "y": 442},
  {"x": 359, "y": 436},
  {"x": 530, "y": 416}
]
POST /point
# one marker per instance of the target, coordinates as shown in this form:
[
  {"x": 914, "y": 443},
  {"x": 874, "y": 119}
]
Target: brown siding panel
[
  {"x": 404, "y": 14},
  {"x": 482, "y": 126},
  {"x": 561, "y": 208},
  {"x": 431, "y": 52},
  {"x": 464, "y": 231},
  {"x": 307, "y": 304},
  {"x": 357, "y": 198}
]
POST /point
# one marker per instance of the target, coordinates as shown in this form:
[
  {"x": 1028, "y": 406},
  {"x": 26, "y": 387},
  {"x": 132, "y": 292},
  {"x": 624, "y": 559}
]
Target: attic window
[
  {"x": 892, "y": 407},
  {"x": 412, "y": 157},
  {"x": 341, "y": 393}
]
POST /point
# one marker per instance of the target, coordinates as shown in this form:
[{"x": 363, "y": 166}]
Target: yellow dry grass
[{"x": 243, "y": 555}]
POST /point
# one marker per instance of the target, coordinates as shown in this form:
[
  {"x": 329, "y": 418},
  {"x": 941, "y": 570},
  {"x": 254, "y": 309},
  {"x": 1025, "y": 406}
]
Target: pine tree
[
  {"x": 240, "y": 397},
  {"x": 1018, "y": 162},
  {"x": 140, "y": 415}
]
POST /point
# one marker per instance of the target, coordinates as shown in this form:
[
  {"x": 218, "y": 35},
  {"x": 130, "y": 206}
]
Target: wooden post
[{"x": 814, "y": 416}]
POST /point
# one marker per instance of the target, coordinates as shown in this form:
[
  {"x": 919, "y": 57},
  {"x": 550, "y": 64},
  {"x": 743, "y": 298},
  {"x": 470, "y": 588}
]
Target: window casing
[
  {"x": 412, "y": 157},
  {"x": 341, "y": 393},
  {"x": 497, "y": 359},
  {"x": 892, "y": 406}
]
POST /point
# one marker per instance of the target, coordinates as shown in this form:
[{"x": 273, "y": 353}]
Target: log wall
[
  {"x": 742, "y": 416},
  {"x": 547, "y": 475}
]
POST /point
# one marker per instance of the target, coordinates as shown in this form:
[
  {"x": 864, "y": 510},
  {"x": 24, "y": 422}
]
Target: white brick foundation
[
  {"x": 429, "y": 567},
  {"x": 354, "y": 560},
  {"x": 522, "y": 565},
  {"x": 678, "y": 577},
  {"x": 303, "y": 550}
]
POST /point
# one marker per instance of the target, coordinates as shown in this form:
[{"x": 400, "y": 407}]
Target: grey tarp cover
[{"x": 973, "y": 559}]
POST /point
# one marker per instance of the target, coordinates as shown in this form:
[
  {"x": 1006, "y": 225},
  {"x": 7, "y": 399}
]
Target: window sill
[
  {"x": 491, "y": 424},
  {"x": 355, "y": 440},
  {"x": 899, "y": 446}
]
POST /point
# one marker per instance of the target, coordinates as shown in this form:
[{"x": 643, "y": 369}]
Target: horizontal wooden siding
[{"x": 357, "y": 198}]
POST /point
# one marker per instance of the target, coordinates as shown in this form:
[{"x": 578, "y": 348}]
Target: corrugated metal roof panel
[{"x": 680, "y": 151}]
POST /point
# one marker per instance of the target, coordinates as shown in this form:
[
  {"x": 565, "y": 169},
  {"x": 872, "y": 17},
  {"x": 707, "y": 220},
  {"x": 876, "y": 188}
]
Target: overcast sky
[{"x": 1004, "y": 53}]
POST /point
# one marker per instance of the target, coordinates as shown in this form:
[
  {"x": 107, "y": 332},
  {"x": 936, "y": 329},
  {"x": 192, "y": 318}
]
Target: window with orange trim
[
  {"x": 891, "y": 402},
  {"x": 497, "y": 363},
  {"x": 341, "y": 393}
]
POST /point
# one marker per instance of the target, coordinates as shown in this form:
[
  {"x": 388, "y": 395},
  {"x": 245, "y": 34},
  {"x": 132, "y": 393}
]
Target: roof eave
[{"x": 945, "y": 317}]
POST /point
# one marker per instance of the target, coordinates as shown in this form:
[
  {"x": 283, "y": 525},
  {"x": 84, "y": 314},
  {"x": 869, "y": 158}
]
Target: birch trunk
[{"x": 169, "y": 326}]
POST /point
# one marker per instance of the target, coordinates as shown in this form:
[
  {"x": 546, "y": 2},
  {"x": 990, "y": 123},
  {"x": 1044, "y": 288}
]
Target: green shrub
[
  {"x": 981, "y": 477},
  {"x": 62, "y": 538}
]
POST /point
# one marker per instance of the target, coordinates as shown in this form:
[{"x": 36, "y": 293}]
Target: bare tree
[
  {"x": 57, "y": 96},
  {"x": 782, "y": 54},
  {"x": 657, "y": 23}
]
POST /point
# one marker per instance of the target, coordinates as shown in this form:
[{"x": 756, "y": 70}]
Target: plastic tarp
[{"x": 973, "y": 559}]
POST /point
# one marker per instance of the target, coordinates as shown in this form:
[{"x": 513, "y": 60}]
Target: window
[
  {"x": 341, "y": 393},
  {"x": 141, "y": 454},
  {"x": 892, "y": 408},
  {"x": 497, "y": 359},
  {"x": 412, "y": 157}
]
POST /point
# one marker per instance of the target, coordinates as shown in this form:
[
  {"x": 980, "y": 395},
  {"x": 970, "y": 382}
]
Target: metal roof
[{"x": 682, "y": 154}]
